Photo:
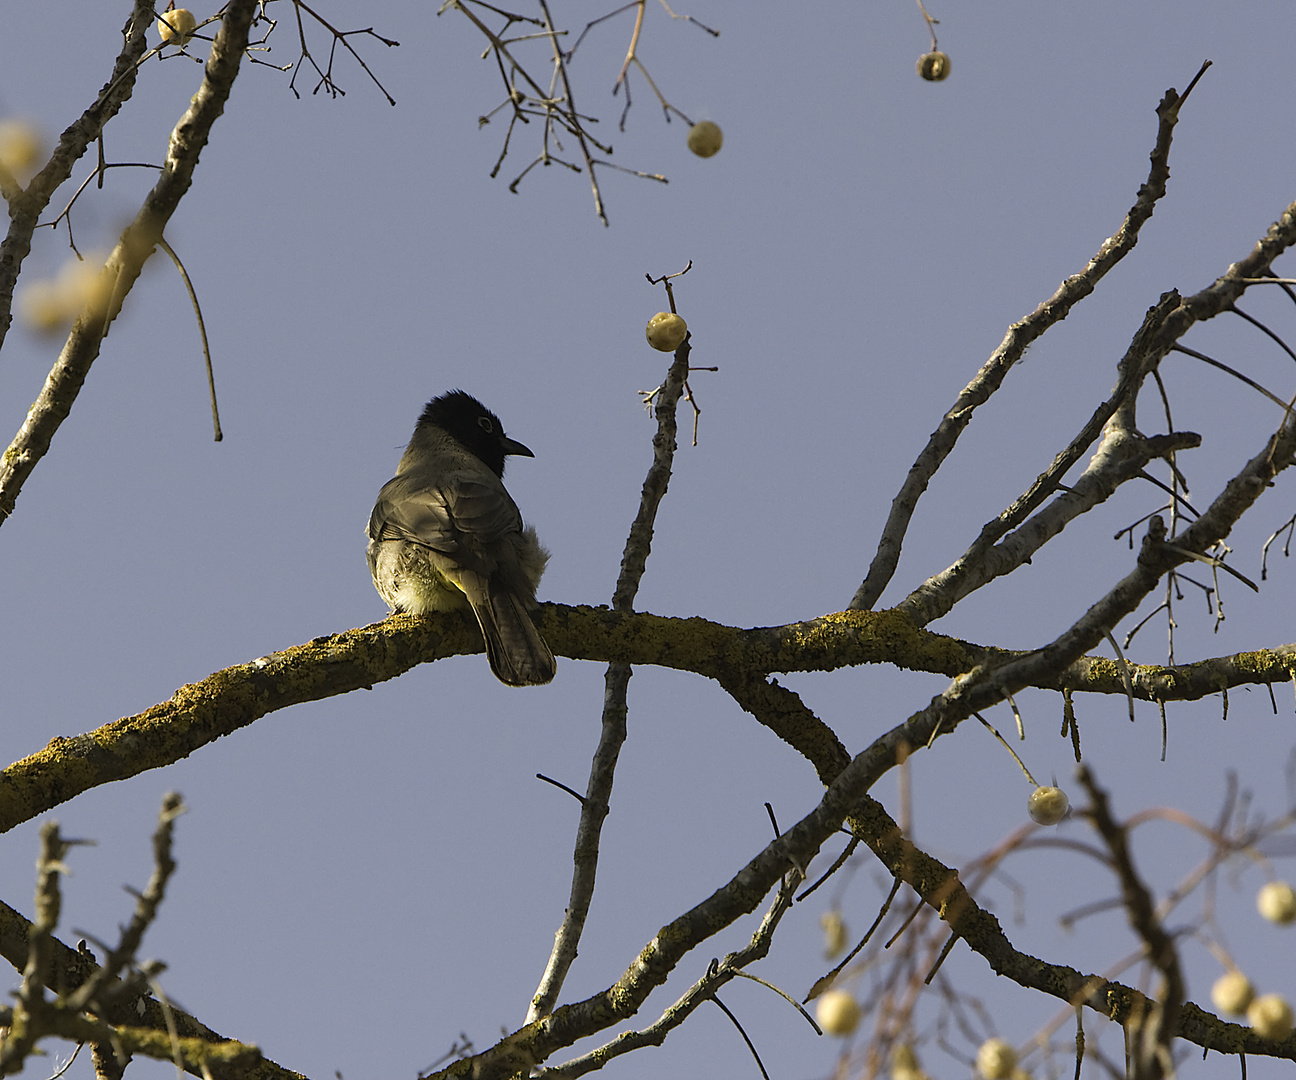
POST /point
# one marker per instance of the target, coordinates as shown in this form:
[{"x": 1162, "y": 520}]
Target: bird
[{"x": 446, "y": 535}]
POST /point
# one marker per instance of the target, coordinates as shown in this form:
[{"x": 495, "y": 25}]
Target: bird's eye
[{"x": 484, "y": 422}]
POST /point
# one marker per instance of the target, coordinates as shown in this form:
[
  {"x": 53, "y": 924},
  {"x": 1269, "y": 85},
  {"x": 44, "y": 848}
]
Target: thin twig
[
  {"x": 1004, "y": 743},
  {"x": 202, "y": 333},
  {"x": 750, "y": 1045},
  {"x": 1123, "y": 664}
]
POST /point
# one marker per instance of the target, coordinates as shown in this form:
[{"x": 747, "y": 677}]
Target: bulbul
[{"x": 446, "y": 535}]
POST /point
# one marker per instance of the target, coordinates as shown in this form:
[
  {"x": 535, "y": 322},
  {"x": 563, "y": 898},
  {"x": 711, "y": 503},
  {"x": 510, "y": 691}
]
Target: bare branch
[
  {"x": 1152, "y": 1026},
  {"x": 988, "y": 380},
  {"x": 595, "y": 805},
  {"x": 127, "y": 260},
  {"x": 25, "y": 209},
  {"x": 1122, "y": 447}
]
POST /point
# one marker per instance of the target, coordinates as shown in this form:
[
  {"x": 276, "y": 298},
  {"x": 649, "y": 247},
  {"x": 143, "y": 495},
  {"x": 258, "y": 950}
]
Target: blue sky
[{"x": 362, "y": 879}]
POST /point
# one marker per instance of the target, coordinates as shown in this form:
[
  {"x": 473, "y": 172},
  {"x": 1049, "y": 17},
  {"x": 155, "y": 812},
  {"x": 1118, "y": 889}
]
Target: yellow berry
[
  {"x": 666, "y": 331},
  {"x": 1047, "y": 805},
  {"x": 176, "y": 26},
  {"x": 1277, "y": 902},
  {"x": 1232, "y": 993},
  {"x": 705, "y": 138},
  {"x": 996, "y": 1059},
  {"x": 904, "y": 1064},
  {"x": 1270, "y": 1016},
  {"x": 834, "y": 928},
  {"x": 83, "y": 286},
  {"x": 838, "y": 1012},
  {"x": 20, "y": 147},
  {"x": 41, "y": 307},
  {"x": 934, "y": 66}
]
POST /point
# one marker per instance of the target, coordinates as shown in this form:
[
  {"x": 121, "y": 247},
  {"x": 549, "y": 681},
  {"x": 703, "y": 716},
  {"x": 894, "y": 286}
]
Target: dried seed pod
[
  {"x": 934, "y": 66},
  {"x": 705, "y": 138},
  {"x": 1047, "y": 805}
]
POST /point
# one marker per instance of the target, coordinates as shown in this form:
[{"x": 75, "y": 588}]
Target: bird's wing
[{"x": 458, "y": 520}]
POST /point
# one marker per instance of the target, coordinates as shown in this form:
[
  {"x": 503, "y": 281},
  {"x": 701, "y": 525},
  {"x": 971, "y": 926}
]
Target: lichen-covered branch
[{"x": 740, "y": 660}]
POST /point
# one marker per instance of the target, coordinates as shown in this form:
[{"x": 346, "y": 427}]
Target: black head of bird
[{"x": 474, "y": 426}]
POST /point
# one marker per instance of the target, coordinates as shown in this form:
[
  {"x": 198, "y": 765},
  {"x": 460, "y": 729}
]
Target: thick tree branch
[
  {"x": 201, "y": 712},
  {"x": 847, "y": 793},
  {"x": 222, "y": 703}
]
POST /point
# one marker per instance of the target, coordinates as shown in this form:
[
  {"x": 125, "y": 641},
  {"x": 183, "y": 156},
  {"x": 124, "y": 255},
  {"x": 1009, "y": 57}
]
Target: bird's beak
[{"x": 512, "y": 446}]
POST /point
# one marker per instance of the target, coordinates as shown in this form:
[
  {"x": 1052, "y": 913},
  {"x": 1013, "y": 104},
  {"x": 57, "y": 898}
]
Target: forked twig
[{"x": 989, "y": 379}]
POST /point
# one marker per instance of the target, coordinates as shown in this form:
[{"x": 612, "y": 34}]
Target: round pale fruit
[
  {"x": 41, "y": 307},
  {"x": 934, "y": 66},
  {"x": 82, "y": 285},
  {"x": 834, "y": 928},
  {"x": 1047, "y": 805},
  {"x": 176, "y": 26},
  {"x": 666, "y": 331},
  {"x": 1270, "y": 1016},
  {"x": 1277, "y": 902},
  {"x": 838, "y": 1012},
  {"x": 1232, "y": 993},
  {"x": 20, "y": 146},
  {"x": 996, "y": 1059},
  {"x": 705, "y": 138}
]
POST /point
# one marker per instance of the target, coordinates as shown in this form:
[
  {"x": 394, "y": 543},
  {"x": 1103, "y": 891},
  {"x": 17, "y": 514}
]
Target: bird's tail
[{"x": 517, "y": 653}]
